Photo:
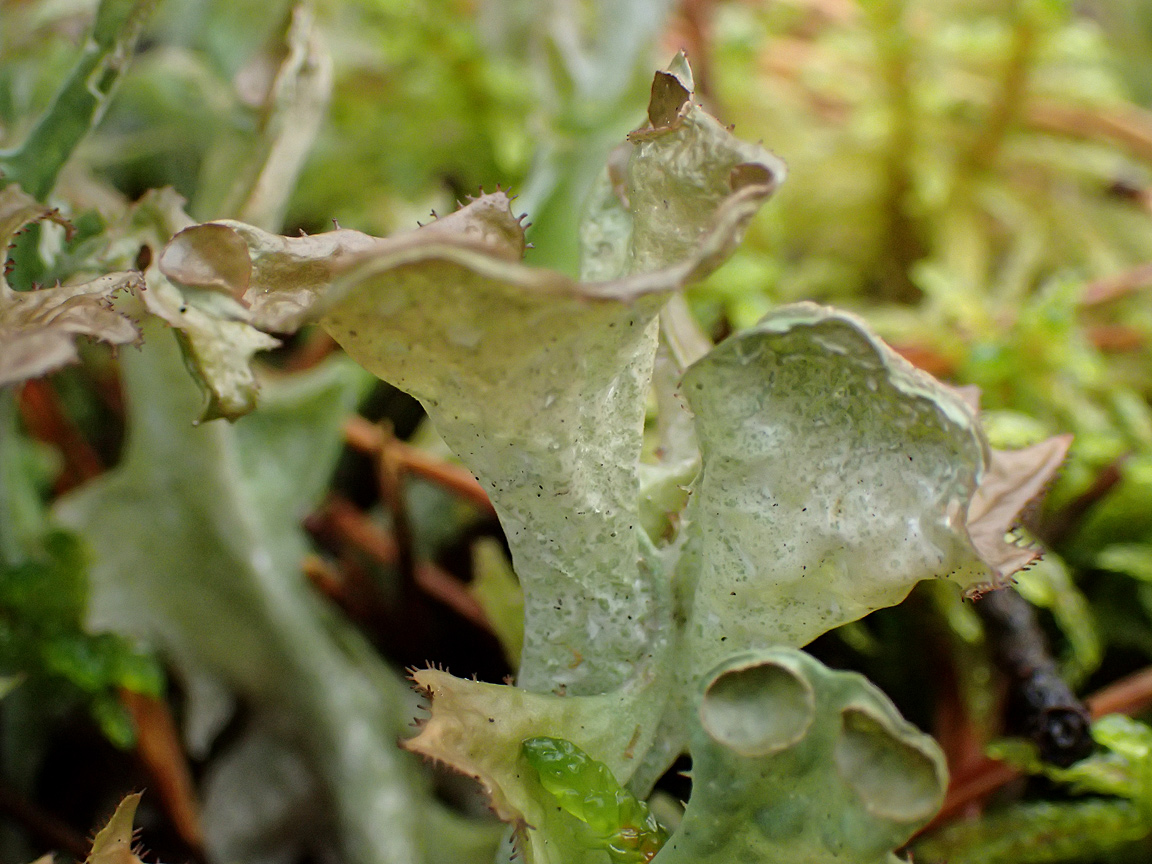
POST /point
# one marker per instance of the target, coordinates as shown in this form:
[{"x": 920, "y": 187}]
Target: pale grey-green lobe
[
  {"x": 835, "y": 476},
  {"x": 543, "y": 398}
]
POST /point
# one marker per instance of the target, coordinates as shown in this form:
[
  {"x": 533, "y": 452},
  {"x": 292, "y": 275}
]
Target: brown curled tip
[
  {"x": 751, "y": 174},
  {"x": 211, "y": 257},
  {"x": 668, "y": 97}
]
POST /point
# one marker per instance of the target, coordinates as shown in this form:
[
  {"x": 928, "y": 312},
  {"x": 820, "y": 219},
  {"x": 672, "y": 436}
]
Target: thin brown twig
[
  {"x": 1117, "y": 285},
  {"x": 443, "y": 586},
  {"x": 354, "y": 527},
  {"x": 327, "y": 579},
  {"x": 1130, "y": 127},
  {"x": 368, "y": 438},
  {"x": 452, "y": 477},
  {"x": 349, "y": 586},
  {"x": 1039, "y": 705},
  {"x": 1129, "y": 695},
  {"x": 46, "y": 421},
  {"x": 50, "y": 830},
  {"x": 390, "y": 475},
  {"x": 363, "y": 435},
  {"x": 971, "y": 790},
  {"x": 159, "y": 748},
  {"x": 1061, "y": 523},
  {"x": 952, "y": 727},
  {"x": 1116, "y": 338}
]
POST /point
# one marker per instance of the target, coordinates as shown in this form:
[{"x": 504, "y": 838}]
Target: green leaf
[
  {"x": 586, "y": 789},
  {"x": 1098, "y": 774},
  {"x": 519, "y": 370},
  {"x": 1048, "y": 584},
  {"x": 822, "y": 451},
  {"x": 662, "y": 192},
  {"x": 81, "y": 99},
  {"x": 1131, "y": 559},
  {"x": 1038, "y": 833},
  {"x": 1063, "y": 831},
  {"x": 1121, "y": 519},
  {"x": 22, "y": 517},
  {"x": 593, "y": 62},
  {"x": 49, "y": 587},
  {"x": 8, "y": 683},
  {"x": 217, "y": 341},
  {"x": 114, "y": 720},
  {"x": 39, "y": 327},
  {"x": 43, "y": 601},
  {"x": 295, "y": 107}
]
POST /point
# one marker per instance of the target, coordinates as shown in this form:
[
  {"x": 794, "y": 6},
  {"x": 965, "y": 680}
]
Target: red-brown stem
[
  {"x": 1129, "y": 695},
  {"x": 46, "y": 421},
  {"x": 351, "y": 525},
  {"x": 158, "y": 746},
  {"x": 1117, "y": 285},
  {"x": 390, "y": 476},
  {"x": 368, "y": 438},
  {"x": 1130, "y": 127},
  {"x": 443, "y": 586},
  {"x": 317, "y": 346}
]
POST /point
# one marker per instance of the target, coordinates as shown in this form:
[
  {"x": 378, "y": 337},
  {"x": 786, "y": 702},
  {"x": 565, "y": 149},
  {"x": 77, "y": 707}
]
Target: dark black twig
[{"x": 1040, "y": 704}]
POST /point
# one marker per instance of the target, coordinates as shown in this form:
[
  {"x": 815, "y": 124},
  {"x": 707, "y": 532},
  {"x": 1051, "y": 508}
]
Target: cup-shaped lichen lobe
[
  {"x": 832, "y": 773},
  {"x": 758, "y": 709},
  {"x": 894, "y": 775}
]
